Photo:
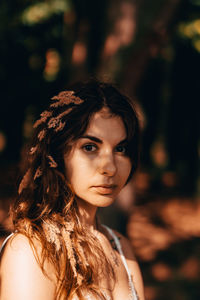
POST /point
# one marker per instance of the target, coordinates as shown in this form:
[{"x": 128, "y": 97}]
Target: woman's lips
[{"x": 105, "y": 189}]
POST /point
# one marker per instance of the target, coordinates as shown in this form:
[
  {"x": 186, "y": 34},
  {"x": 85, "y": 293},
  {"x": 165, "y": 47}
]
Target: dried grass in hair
[
  {"x": 44, "y": 116},
  {"x": 24, "y": 181},
  {"x": 65, "y": 98},
  {"x": 52, "y": 234},
  {"x": 38, "y": 173},
  {"x": 52, "y": 162}
]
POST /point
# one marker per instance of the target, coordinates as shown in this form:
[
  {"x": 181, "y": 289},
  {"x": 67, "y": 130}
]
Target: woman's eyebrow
[
  {"x": 124, "y": 141},
  {"x": 97, "y": 140},
  {"x": 93, "y": 138}
]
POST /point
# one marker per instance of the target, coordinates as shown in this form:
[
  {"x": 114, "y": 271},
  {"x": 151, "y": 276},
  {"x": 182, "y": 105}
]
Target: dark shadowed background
[{"x": 151, "y": 50}]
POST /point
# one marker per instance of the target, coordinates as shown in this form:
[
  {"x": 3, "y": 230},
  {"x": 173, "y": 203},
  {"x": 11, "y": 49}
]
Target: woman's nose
[{"x": 107, "y": 165}]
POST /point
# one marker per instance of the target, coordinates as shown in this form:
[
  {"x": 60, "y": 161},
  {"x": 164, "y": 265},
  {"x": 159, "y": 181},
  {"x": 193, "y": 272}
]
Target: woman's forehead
[
  {"x": 105, "y": 112},
  {"x": 106, "y": 125}
]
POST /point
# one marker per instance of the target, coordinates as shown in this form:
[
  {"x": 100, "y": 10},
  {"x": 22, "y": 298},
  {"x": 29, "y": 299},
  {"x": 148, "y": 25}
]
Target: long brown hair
[{"x": 46, "y": 207}]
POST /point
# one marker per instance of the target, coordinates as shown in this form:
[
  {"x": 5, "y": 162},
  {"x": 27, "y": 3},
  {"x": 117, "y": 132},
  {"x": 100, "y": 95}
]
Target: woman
[{"x": 84, "y": 151}]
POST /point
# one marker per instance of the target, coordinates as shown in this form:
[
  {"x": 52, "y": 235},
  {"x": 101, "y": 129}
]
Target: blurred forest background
[{"x": 151, "y": 50}]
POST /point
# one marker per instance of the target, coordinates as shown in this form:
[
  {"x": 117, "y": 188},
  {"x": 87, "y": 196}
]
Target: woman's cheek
[{"x": 125, "y": 168}]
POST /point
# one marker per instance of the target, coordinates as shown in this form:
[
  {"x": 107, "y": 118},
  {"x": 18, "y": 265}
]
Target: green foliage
[{"x": 42, "y": 11}]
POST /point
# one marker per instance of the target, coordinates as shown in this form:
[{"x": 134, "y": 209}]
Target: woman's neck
[{"x": 87, "y": 214}]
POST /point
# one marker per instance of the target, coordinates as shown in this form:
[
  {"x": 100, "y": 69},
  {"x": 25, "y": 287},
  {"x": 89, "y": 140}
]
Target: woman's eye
[
  {"x": 121, "y": 149},
  {"x": 89, "y": 148}
]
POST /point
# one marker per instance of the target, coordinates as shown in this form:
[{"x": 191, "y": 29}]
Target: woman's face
[{"x": 97, "y": 166}]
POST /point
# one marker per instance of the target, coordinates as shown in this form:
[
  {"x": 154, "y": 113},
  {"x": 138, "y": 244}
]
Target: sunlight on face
[{"x": 98, "y": 167}]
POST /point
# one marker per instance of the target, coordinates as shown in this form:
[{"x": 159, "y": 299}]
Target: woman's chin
[
  {"x": 104, "y": 200},
  {"x": 98, "y": 200}
]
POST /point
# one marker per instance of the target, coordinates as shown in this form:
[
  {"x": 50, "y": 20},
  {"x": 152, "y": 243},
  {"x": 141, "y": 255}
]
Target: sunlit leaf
[{"x": 42, "y": 11}]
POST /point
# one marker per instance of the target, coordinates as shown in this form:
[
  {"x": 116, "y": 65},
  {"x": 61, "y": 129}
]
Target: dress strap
[
  {"x": 5, "y": 241},
  {"x": 119, "y": 248}
]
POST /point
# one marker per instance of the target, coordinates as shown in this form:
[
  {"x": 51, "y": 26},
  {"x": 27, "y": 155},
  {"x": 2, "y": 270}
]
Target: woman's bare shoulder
[
  {"x": 16, "y": 245},
  {"x": 21, "y": 275},
  {"x": 126, "y": 245},
  {"x": 132, "y": 263}
]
